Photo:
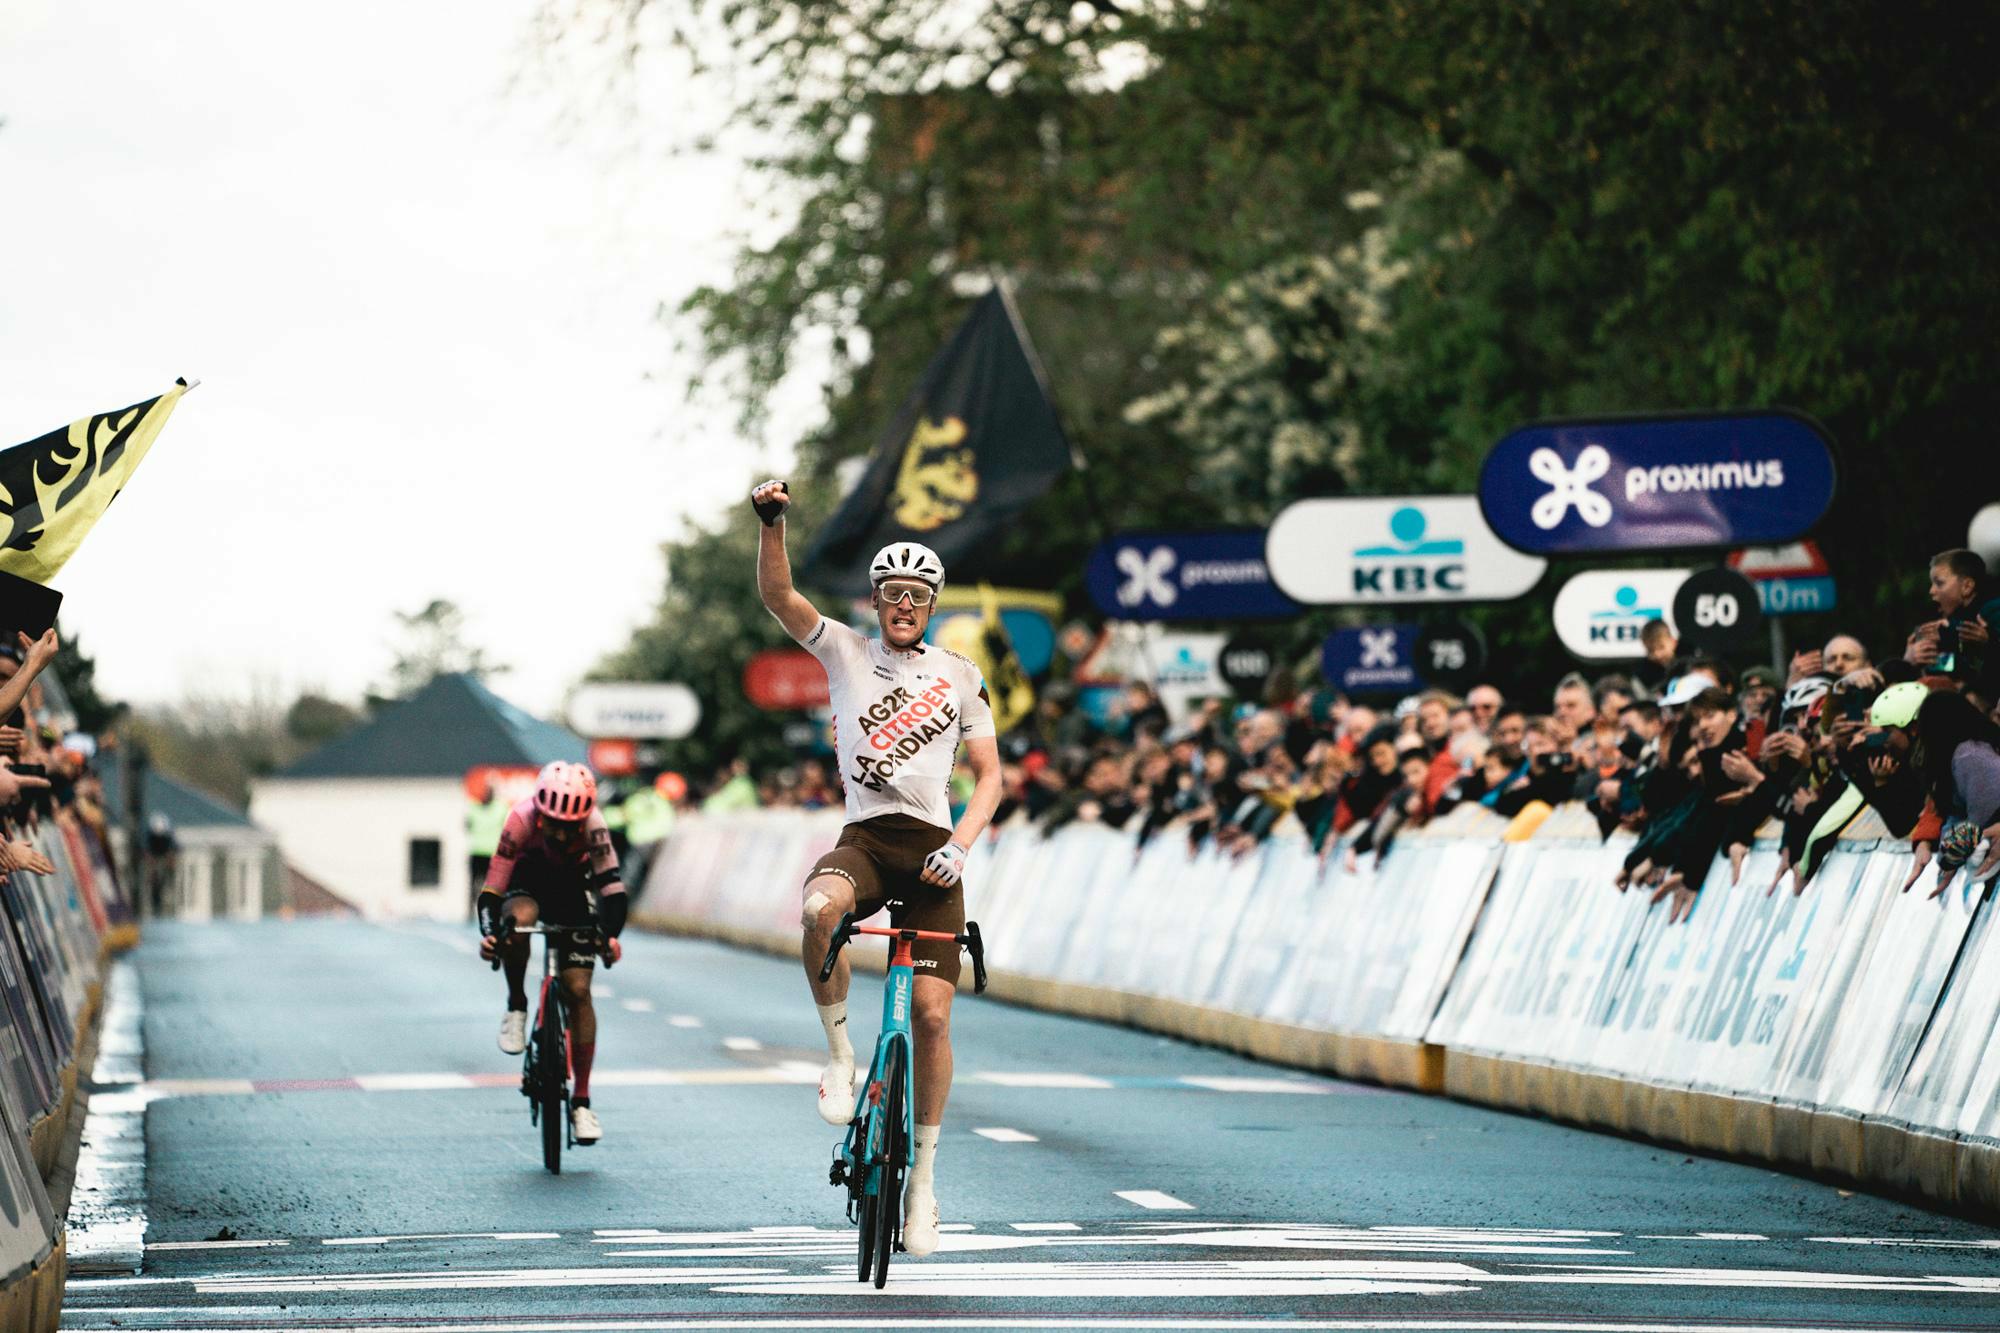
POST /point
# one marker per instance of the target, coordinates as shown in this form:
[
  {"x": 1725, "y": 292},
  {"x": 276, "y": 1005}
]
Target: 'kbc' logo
[
  {"x": 1625, "y": 624},
  {"x": 1570, "y": 487},
  {"x": 1146, "y": 576},
  {"x": 1411, "y": 564}
]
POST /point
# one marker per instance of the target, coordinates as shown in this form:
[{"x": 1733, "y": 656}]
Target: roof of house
[
  {"x": 451, "y": 725},
  {"x": 186, "y": 806}
]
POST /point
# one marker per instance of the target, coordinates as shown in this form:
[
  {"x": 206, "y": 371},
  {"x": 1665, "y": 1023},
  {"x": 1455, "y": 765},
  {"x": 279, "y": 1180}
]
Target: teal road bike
[{"x": 876, "y": 1151}]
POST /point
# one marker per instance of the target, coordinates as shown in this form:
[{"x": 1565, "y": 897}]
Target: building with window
[{"x": 378, "y": 815}]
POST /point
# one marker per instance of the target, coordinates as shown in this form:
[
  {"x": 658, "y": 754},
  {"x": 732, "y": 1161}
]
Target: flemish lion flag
[
  {"x": 974, "y": 445},
  {"x": 54, "y": 489}
]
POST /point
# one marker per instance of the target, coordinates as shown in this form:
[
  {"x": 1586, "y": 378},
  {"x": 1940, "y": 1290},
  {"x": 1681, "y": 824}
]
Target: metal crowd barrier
[
  {"x": 1852, "y": 1030},
  {"x": 59, "y": 931}
]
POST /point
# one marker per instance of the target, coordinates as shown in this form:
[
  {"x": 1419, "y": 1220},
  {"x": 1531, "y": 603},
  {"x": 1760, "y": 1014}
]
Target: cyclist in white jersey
[{"x": 900, "y": 709}]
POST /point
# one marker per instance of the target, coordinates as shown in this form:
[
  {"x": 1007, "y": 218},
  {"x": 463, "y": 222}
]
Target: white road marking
[
  {"x": 214, "y": 1244},
  {"x": 743, "y": 1043},
  {"x": 1152, "y": 1199},
  {"x": 1708, "y": 1235},
  {"x": 638, "y": 1006},
  {"x": 198, "y": 1087},
  {"x": 1226, "y": 1083},
  {"x": 446, "y": 1235},
  {"x": 1003, "y": 1135},
  {"x": 107, "y": 1205},
  {"x": 412, "y": 1082},
  {"x": 1901, "y": 1240},
  {"x": 684, "y": 1021},
  {"x": 603, "y": 992},
  {"x": 1045, "y": 1226},
  {"x": 1042, "y": 1080},
  {"x": 1385, "y": 1323}
]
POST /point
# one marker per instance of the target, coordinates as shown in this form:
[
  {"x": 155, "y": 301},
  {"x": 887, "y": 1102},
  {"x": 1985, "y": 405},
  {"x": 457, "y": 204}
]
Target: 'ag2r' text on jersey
[{"x": 898, "y": 719}]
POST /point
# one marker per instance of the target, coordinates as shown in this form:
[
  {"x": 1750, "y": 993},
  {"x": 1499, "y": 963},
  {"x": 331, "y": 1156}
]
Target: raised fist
[{"x": 771, "y": 500}]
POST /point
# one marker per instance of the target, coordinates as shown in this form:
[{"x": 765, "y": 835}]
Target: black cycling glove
[
  {"x": 489, "y": 914},
  {"x": 772, "y": 510}
]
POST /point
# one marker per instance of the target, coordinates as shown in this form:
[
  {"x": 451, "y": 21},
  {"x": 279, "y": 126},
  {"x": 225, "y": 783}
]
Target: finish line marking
[
  {"x": 1152, "y": 1199},
  {"x": 1002, "y": 1135},
  {"x": 1389, "y": 1324},
  {"x": 784, "y": 1071}
]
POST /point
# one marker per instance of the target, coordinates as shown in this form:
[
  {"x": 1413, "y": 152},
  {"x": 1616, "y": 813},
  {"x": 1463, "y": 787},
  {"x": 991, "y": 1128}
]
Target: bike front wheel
[
  {"x": 554, "y": 1079},
  {"x": 889, "y": 1193}
]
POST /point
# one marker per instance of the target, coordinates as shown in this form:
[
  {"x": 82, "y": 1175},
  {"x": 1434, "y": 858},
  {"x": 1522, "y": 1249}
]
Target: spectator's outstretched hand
[
  {"x": 1973, "y": 631},
  {"x": 1922, "y": 648},
  {"x": 1992, "y": 862},
  {"x": 38, "y": 653},
  {"x": 1674, "y": 887},
  {"x": 11, "y": 741},
  {"x": 1945, "y": 877},
  {"x": 1917, "y": 864},
  {"x": 20, "y": 855},
  {"x": 1737, "y": 853},
  {"x": 1807, "y": 663},
  {"x": 1784, "y": 864},
  {"x": 13, "y": 785}
]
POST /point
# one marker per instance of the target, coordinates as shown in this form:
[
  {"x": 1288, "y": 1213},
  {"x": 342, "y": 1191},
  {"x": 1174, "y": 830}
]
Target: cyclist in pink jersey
[{"x": 554, "y": 857}]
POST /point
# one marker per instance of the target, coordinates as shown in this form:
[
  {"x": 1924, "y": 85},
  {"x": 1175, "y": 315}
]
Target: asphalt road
[{"x": 332, "y": 1140}]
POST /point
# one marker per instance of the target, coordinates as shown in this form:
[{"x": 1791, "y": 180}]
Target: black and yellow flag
[
  {"x": 54, "y": 489},
  {"x": 975, "y": 444}
]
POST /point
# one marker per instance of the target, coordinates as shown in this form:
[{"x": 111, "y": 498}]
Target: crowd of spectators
[
  {"x": 1685, "y": 752},
  {"x": 45, "y": 773}
]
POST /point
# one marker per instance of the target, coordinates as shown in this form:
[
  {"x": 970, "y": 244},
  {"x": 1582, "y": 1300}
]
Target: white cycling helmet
[
  {"x": 1804, "y": 694},
  {"x": 909, "y": 560}
]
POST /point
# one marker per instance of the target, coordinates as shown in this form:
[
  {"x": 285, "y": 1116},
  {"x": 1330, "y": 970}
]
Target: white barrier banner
[{"x": 1851, "y": 996}]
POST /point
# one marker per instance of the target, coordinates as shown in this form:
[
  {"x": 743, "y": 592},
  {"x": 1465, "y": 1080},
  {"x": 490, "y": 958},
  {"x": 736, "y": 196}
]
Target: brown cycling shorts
[{"x": 881, "y": 858}]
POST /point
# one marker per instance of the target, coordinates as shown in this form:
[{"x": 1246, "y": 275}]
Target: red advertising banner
[
  {"x": 785, "y": 680},
  {"x": 510, "y": 782},
  {"x": 614, "y": 758}
]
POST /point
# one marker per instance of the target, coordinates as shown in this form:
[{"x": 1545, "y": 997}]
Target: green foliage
[
  {"x": 77, "y": 671},
  {"x": 708, "y": 624},
  {"x": 314, "y": 719},
  {"x": 1587, "y": 208},
  {"x": 432, "y": 645}
]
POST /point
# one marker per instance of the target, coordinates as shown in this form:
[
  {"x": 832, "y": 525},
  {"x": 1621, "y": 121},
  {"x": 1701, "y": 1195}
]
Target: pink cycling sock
[{"x": 581, "y": 1053}]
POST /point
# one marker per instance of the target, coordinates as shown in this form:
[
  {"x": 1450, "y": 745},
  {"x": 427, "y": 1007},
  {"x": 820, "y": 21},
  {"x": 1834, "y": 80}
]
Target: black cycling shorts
[{"x": 561, "y": 898}]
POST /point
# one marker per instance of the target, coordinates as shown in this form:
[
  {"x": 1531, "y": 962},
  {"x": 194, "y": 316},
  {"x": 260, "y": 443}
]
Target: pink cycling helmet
[{"x": 566, "y": 791}]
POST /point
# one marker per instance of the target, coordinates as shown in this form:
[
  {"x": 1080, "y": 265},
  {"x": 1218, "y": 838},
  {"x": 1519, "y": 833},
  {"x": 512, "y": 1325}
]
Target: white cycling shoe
[
  {"x": 514, "y": 1031},
  {"x": 836, "y": 1092},
  {"x": 583, "y": 1124},
  {"x": 920, "y": 1219}
]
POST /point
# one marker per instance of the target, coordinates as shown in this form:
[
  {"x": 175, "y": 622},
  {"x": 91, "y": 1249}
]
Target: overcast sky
[{"x": 423, "y": 322}]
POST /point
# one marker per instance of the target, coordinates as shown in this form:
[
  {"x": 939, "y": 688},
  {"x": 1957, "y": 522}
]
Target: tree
[
  {"x": 77, "y": 671},
  {"x": 314, "y": 719},
  {"x": 433, "y": 645},
  {"x": 708, "y": 623},
  {"x": 1588, "y": 209}
]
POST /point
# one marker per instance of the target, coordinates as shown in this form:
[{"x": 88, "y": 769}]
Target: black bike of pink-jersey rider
[{"x": 555, "y": 855}]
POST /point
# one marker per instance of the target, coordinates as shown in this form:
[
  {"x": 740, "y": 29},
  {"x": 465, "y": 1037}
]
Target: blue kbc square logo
[
  {"x": 1413, "y": 564},
  {"x": 1625, "y": 621}
]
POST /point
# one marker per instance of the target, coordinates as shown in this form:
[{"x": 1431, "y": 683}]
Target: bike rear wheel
[
  {"x": 867, "y": 1235},
  {"x": 889, "y": 1194},
  {"x": 554, "y": 1055}
]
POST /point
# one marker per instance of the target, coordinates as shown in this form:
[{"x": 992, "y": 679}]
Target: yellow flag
[
  {"x": 54, "y": 489},
  {"x": 1013, "y": 694}
]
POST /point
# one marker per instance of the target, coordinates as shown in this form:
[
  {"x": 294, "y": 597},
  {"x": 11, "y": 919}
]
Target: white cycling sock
[
  {"x": 923, "y": 1153},
  {"x": 833, "y": 1017}
]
